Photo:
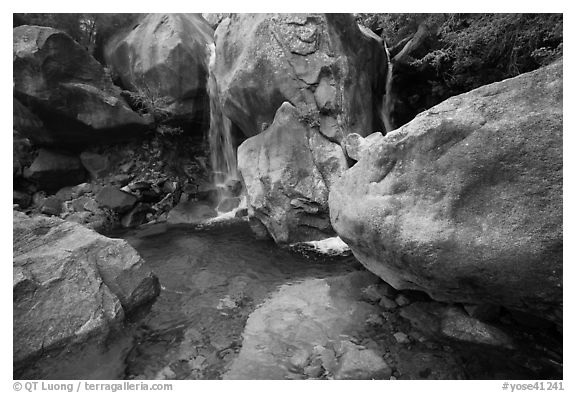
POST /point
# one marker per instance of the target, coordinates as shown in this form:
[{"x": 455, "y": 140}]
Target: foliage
[
  {"x": 469, "y": 50},
  {"x": 167, "y": 130},
  {"x": 146, "y": 100},
  {"x": 460, "y": 52}
]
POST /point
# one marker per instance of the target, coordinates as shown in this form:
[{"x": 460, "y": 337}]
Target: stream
[{"x": 234, "y": 307}]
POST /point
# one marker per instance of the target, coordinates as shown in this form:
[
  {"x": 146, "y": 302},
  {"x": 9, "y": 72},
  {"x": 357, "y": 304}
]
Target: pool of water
[{"x": 215, "y": 277}]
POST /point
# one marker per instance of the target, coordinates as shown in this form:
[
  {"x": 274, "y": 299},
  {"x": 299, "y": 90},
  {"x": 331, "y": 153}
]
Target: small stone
[
  {"x": 402, "y": 300},
  {"x": 401, "y": 338},
  {"x": 387, "y": 303},
  {"x": 393, "y": 378}
]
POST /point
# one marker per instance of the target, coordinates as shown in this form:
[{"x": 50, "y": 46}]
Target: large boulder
[
  {"x": 287, "y": 171},
  {"x": 68, "y": 90},
  {"x": 70, "y": 285},
  {"x": 465, "y": 201},
  {"x": 166, "y": 56},
  {"x": 329, "y": 68}
]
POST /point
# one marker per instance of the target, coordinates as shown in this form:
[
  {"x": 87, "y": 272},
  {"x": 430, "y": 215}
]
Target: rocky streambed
[{"x": 234, "y": 307}]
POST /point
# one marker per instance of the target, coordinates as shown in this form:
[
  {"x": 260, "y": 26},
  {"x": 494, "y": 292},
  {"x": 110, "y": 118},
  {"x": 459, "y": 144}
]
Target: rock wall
[
  {"x": 324, "y": 65},
  {"x": 465, "y": 201}
]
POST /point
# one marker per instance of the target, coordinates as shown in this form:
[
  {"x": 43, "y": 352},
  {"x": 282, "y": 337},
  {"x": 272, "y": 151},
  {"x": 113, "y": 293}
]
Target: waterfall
[
  {"x": 387, "y": 104},
  {"x": 222, "y": 153}
]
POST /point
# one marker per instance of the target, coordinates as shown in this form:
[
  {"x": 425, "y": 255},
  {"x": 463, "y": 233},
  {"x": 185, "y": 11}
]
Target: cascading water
[
  {"x": 222, "y": 153},
  {"x": 387, "y": 104}
]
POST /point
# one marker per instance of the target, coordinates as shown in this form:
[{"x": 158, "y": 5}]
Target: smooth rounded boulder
[
  {"x": 465, "y": 201},
  {"x": 69, "y": 91},
  {"x": 71, "y": 285},
  {"x": 325, "y": 65},
  {"x": 164, "y": 57},
  {"x": 287, "y": 171}
]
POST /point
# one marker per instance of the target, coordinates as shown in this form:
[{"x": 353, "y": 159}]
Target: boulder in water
[
  {"x": 165, "y": 57},
  {"x": 465, "y": 201},
  {"x": 70, "y": 285},
  {"x": 68, "y": 90},
  {"x": 287, "y": 170}
]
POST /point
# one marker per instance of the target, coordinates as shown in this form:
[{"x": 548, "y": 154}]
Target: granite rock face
[
  {"x": 165, "y": 56},
  {"x": 465, "y": 201},
  {"x": 71, "y": 285}
]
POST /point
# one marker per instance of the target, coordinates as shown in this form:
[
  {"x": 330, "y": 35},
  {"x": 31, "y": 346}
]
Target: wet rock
[
  {"x": 114, "y": 199},
  {"x": 165, "y": 55},
  {"x": 228, "y": 204},
  {"x": 286, "y": 182},
  {"x": 424, "y": 208},
  {"x": 52, "y": 170},
  {"x": 191, "y": 212},
  {"x": 71, "y": 284},
  {"x": 299, "y": 322},
  {"x": 96, "y": 164},
  {"x": 234, "y": 187},
  {"x": 357, "y": 363},
  {"x": 68, "y": 90}
]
